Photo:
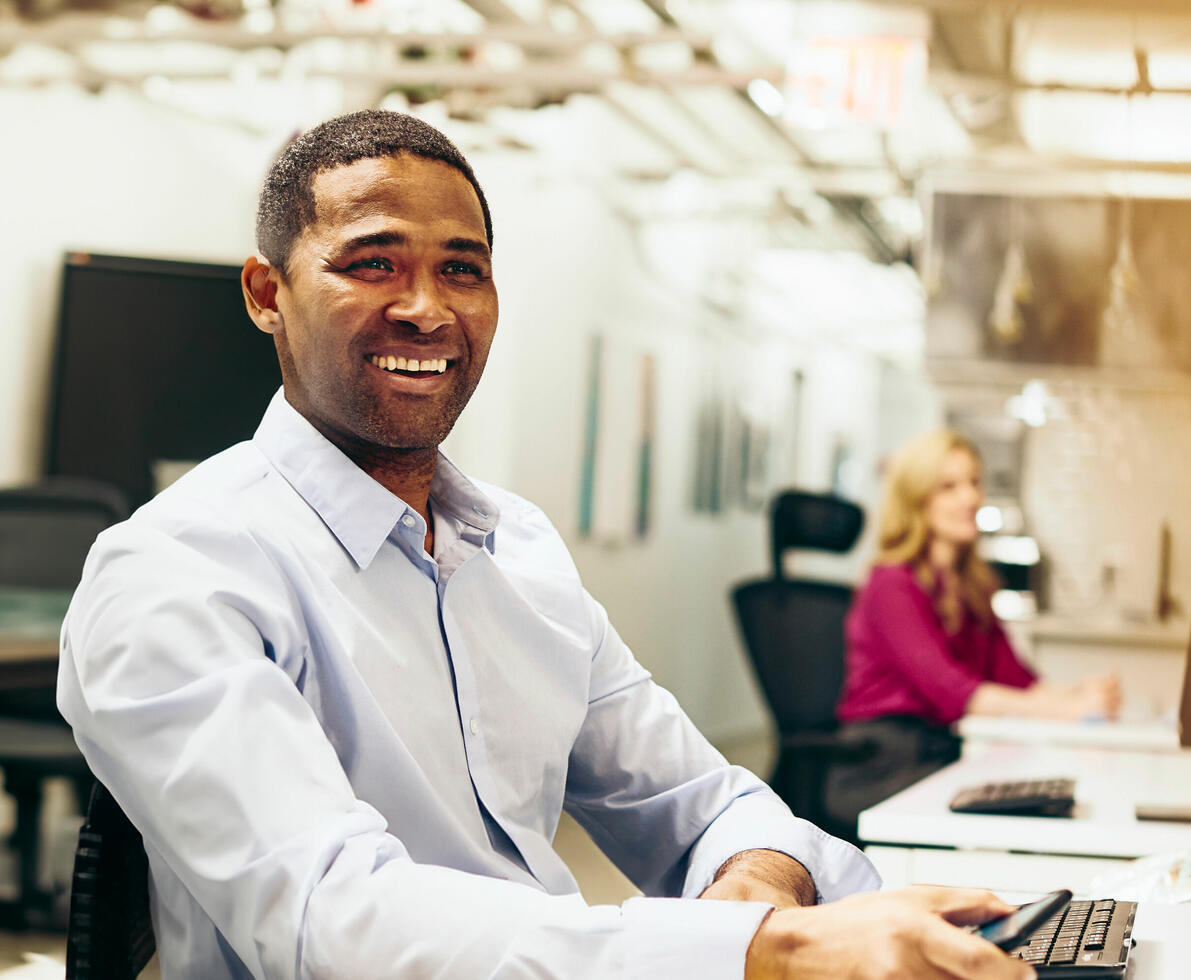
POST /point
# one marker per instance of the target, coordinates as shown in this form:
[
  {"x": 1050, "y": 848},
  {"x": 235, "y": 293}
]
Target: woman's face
[{"x": 951, "y": 507}]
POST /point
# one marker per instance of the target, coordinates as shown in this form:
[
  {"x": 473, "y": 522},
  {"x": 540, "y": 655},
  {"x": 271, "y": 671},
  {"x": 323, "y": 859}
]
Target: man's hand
[
  {"x": 762, "y": 876},
  {"x": 885, "y": 934}
]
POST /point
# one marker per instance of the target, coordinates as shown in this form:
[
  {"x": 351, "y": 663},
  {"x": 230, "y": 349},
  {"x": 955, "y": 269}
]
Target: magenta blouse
[{"x": 900, "y": 661}]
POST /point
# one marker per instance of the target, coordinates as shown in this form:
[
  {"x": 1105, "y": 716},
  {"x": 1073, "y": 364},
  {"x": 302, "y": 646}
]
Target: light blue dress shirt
[{"x": 348, "y": 758}]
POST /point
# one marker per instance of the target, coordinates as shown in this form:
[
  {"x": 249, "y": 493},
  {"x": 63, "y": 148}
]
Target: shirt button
[
  {"x": 474, "y": 726},
  {"x": 408, "y": 520}
]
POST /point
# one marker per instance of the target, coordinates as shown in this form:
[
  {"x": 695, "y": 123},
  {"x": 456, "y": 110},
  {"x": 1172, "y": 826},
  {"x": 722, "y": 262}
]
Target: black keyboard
[
  {"x": 1086, "y": 939},
  {"x": 1025, "y": 798}
]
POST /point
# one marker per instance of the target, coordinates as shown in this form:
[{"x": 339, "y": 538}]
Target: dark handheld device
[
  {"x": 1009, "y": 930},
  {"x": 1021, "y": 798}
]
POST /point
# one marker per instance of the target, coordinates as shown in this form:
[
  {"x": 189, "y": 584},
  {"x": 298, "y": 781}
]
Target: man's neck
[{"x": 407, "y": 473}]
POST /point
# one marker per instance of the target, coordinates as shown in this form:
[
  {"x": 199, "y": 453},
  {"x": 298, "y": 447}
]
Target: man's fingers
[
  {"x": 961, "y": 954},
  {"x": 962, "y": 906}
]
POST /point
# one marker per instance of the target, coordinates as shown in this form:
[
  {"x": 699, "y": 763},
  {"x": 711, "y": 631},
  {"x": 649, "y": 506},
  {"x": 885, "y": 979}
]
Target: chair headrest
[{"x": 818, "y": 521}]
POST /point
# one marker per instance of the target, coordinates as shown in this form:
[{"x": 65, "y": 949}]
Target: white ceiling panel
[
  {"x": 694, "y": 141},
  {"x": 1154, "y": 128},
  {"x": 750, "y": 137},
  {"x": 619, "y": 16},
  {"x": 1074, "y": 50},
  {"x": 1170, "y": 65},
  {"x": 585, "y": 134},
  {"x": 851, "y": 146}
]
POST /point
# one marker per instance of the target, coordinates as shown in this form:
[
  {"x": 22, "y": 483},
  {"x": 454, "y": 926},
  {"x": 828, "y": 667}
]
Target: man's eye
[
  {"x": 375, "y": 264},
  {"x": 461, "y": 269}
]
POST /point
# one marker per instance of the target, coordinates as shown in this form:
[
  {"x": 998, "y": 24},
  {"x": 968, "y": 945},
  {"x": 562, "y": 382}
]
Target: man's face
[{"x": 388, "y": 307}]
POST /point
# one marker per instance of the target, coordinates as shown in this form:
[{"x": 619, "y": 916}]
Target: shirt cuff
[
  {"x": 760, "y": 820},
  {"x": 678, "y": 938}
]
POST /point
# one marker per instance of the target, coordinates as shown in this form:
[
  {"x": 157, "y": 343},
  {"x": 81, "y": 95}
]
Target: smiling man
[{"x": 345, "y": 692}]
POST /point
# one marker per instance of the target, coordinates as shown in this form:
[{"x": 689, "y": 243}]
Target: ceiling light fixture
[{"x": 767, "y": 97}]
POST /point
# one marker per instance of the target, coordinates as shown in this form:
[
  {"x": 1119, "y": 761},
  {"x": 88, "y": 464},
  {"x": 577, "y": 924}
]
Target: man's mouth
[{"x": 402, "y": 365}]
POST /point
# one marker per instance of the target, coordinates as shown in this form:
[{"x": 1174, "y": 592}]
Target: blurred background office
[{"x": 741, "y": 246}]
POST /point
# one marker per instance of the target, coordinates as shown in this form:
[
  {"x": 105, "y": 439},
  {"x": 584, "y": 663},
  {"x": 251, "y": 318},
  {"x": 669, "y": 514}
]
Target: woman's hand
[
  {"x": 1094, "y": 698},
  {"x": 1097, "y": 697}
]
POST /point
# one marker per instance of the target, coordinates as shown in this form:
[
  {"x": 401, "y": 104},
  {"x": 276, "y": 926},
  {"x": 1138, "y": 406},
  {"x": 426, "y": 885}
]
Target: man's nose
[{"x": 420, "y": 304}]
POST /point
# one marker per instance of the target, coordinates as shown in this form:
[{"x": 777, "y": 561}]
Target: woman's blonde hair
[{"x": 903, "y": 537}]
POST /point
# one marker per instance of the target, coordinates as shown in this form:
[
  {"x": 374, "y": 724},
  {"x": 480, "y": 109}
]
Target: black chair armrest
[
  {"x": 110, "y": 935},
  {"x": 838, "y": 744}
]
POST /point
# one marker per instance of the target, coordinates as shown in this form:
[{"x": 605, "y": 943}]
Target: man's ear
[{"x": 258, "y": 279}]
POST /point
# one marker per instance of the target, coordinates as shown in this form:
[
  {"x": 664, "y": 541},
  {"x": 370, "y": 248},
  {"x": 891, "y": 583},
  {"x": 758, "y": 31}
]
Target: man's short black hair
[{"x": 287, "y": 198}]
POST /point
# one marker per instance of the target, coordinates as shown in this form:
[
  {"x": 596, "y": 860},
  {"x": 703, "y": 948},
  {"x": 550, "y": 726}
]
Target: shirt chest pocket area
[{"x": 530, "y": 670}]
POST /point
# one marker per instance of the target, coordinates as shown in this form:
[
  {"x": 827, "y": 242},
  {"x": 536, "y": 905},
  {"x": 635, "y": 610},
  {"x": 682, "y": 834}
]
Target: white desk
[
  {"x": 979, "y": 732},
  {"x": 906, "y": 834},
  {"x": 1163, "y": 934}
]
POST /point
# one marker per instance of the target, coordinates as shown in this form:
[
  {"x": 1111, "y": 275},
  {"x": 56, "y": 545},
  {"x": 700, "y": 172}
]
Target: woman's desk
[
  {"x": 1148, "y": 657},
  {"x": 981, "y": 732},
  {"x": 913, "y": 837}
]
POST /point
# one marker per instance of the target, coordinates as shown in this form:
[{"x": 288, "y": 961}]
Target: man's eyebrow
[
  {"x": 389, "y": 239},
  {"x": 472, "y": 245},
  {"x": 376, "y": 239}
]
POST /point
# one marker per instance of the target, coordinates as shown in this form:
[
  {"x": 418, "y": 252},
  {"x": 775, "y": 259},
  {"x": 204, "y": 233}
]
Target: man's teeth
[{"x": 391, "y": 363}]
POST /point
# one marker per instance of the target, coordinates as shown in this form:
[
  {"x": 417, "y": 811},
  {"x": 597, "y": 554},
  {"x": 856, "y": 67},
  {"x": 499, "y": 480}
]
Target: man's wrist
[{"x": 773, "y": 869}]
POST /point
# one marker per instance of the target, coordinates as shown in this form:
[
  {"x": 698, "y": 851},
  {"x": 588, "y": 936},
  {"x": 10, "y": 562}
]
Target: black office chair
[
  {"x": 110, "y": 934},
  {"x": 793, "y": 630},
  {"x": 46, "y": 530}
]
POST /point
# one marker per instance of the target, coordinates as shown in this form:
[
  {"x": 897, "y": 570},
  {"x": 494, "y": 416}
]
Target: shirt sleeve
[
  {"x": 182, "y": 711},
  {"x": 641, "y": 771},
  {"x": 900, "y": 614},
  {"x": 1007, "y": 668}
]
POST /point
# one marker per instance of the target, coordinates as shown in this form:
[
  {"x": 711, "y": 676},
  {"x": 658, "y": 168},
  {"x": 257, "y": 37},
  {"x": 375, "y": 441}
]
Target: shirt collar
[{"x": 356, "y": 509}]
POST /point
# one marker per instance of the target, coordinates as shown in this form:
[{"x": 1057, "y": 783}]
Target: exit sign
[{"x": 856, "y": 80}]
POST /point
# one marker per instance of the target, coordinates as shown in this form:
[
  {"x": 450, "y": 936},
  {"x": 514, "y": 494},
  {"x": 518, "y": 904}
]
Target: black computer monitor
[{"x": 157, "y": 363}]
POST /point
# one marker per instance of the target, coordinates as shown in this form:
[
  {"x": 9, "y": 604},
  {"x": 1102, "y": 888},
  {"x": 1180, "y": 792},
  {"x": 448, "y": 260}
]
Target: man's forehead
[{"x": 402, "y": 186}]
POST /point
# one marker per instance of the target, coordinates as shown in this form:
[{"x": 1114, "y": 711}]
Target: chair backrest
[
  {"x": 47, "y": 528},
  {"x": 793, "y": 629},
  {"x": 110, "y": 933},
  {"x": 794, "y": 634}
]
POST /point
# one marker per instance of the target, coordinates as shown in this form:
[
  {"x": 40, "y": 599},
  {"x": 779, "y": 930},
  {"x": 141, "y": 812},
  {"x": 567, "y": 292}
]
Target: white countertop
[
  {"x": 1157, "y": 735},
  {"x": 1112, "y": 631},
  {"x": 1107, "y": 785}
]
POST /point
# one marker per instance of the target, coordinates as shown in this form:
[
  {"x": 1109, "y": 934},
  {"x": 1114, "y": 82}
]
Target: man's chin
[{"x": 407, "y": 440}]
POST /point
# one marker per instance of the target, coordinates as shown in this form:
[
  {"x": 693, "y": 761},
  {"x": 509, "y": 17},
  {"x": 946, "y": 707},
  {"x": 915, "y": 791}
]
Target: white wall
[
  {"x": 102, "y": 174},
  {"x": 113, "y": 173}
]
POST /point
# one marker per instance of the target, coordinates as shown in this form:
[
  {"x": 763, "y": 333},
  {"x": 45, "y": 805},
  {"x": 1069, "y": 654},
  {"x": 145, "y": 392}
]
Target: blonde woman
[{"x": 924, "y": 647}]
